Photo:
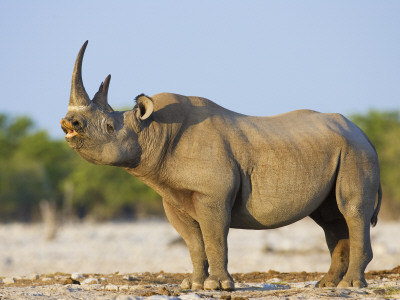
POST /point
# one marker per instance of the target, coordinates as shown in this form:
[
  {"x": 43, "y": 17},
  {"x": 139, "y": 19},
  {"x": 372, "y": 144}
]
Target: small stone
[
  {"x": 111, "y": 287},
  {"x": 9, "y": 280},
  {"x": 129, "y": 278},
  {"x": 163, "y": 291},
  {"x": 70, "y": 281},
  {"x": 76, "y": 276},
  {"x": 34, "y": 277},
  {"x": 90, "y": 280},
  {"x": 67, "y": 281},
  {"x": 46, "y": 279}
]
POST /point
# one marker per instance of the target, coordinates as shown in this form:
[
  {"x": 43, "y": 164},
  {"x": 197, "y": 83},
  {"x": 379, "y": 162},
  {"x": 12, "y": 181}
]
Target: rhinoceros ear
[
  {"x": 101, "y": 96},
  {"x": 144, "y": 106}
]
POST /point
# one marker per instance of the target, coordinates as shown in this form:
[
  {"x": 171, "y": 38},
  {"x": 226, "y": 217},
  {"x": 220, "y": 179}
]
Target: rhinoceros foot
[
  {"x": 213, "y": 283},
  {"x": 328, "y": 281},
  {"x": 188, "y": 284},
  {"x": 350, "y": 281}
]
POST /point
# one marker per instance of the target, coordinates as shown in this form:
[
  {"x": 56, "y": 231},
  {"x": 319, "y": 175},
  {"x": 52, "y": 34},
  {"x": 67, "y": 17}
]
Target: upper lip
[{"x": 68, "y": 128}]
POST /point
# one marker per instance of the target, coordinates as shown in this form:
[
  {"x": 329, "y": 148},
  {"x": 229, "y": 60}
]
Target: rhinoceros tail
[{"x": 374, "y": 218}]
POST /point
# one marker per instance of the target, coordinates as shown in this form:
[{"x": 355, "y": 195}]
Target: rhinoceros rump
[{"x": 216, "y": 169}]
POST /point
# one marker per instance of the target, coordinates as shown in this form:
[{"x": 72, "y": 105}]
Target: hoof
[
  {"x": 197, "y": 286},
  {"x": 228, "y": 285},
  {"x": 211, "y": 284},
  {"x": 344, "y": 284},
  {"x": 321, "y": 284},
  {"x": 353, "y": 283},
  {"x": 328, "y": 281},
  {"x": 187, "y": 284}
]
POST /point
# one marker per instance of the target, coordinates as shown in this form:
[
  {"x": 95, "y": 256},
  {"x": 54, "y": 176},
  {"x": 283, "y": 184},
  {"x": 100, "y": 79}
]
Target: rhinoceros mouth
[{"x": 69, "y": 130}]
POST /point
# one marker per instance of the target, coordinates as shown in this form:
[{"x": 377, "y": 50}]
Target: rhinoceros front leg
[
  {"x": 213, "y": 216},
  {"x": 190, "y": 231}
]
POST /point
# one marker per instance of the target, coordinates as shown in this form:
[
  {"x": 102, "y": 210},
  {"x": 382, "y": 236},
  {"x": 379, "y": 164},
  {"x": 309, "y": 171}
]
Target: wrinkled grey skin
[{"x": 216, "y": 169}]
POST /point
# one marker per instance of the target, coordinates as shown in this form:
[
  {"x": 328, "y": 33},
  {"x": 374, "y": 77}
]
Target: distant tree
[
  {"x": 105, "y": 192},
  {"x": 33, "y": 167}
]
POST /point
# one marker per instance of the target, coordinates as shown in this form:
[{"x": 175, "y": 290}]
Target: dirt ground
[
  {"x": 88, "y": 255},
  {"x": 272, "y": 284}
]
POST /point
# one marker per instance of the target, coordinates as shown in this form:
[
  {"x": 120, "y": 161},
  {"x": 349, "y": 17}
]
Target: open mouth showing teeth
[{"x": 68, "y": 129}]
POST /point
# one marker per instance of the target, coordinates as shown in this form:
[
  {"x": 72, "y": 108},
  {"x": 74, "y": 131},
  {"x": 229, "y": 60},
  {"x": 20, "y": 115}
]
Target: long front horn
[{"x": 78, "y": 97}]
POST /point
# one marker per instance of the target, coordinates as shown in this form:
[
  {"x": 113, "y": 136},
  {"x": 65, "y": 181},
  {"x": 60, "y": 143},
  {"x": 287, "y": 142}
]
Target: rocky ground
[
  {"x": 123, "y": 261},
  {"x": 271, "y": 285}
]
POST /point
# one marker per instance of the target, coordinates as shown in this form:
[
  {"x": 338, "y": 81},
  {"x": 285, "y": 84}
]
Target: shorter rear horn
[{"x": 101, "y": 96}]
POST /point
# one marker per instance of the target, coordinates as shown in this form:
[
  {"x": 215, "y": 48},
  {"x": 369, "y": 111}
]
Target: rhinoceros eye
[{"x": 110, "y": 128}]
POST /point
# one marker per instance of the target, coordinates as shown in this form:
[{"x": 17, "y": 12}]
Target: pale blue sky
[{"x": 253, "y": 57}]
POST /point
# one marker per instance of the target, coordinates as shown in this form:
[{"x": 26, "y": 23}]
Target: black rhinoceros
[{"x": 216, "y": 169}]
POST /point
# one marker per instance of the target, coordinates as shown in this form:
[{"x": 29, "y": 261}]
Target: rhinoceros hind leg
[
  {"x": 337, "y": 238},
  {"x": 360, "y": 253},
  {"x": 357, "y": 207},
  {"x": 339, "y": 264},
  {"x": 357, "y": 186},
  {"x": 336, "y": 232}
]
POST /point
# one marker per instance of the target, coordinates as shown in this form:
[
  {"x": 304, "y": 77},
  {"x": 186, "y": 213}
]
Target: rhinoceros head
[{"x": 97, "y": 132}]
